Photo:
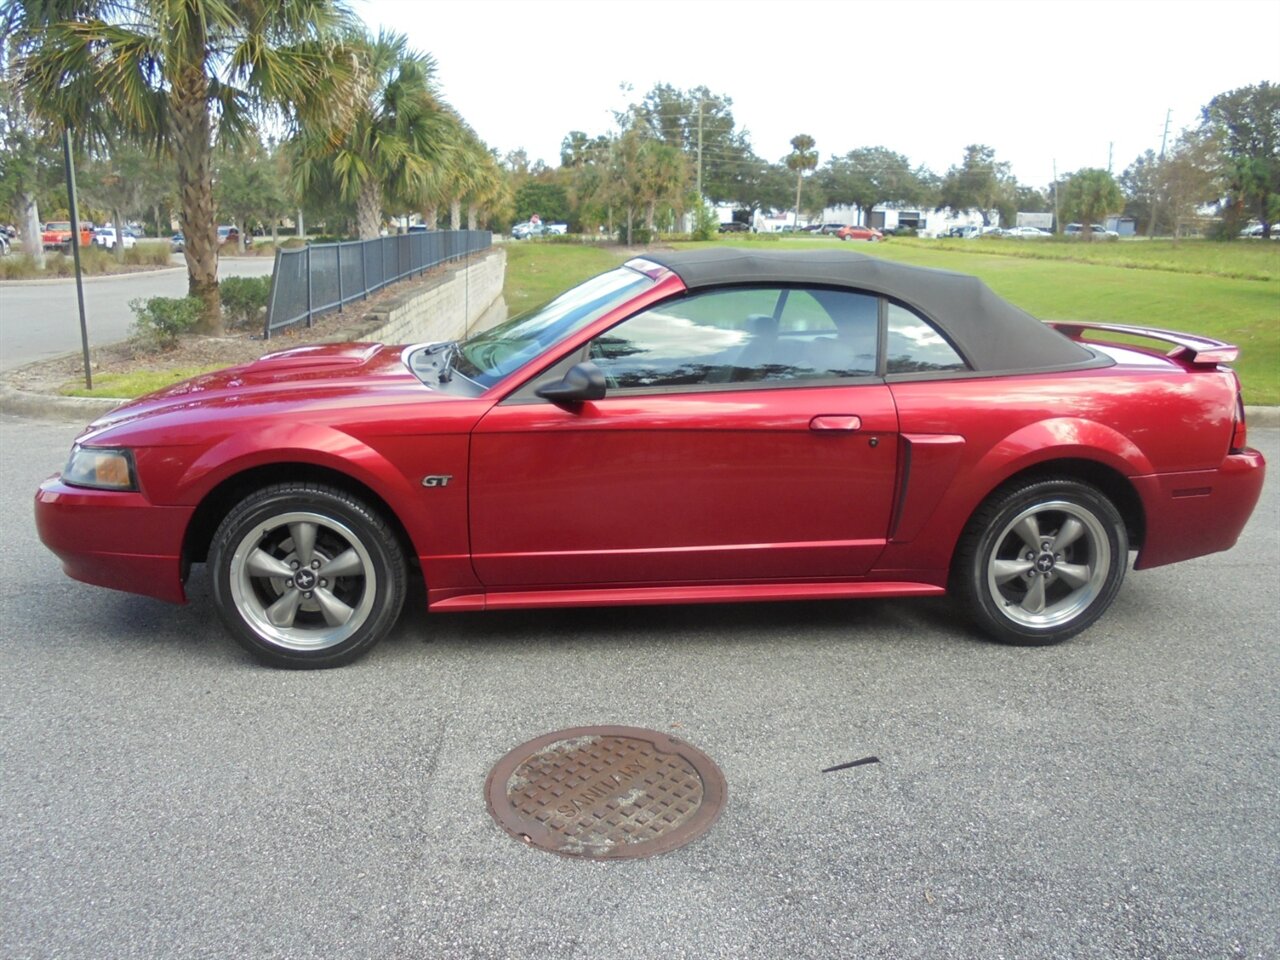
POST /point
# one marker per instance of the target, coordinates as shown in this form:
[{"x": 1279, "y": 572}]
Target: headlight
[{"x": 101, "y": 467}]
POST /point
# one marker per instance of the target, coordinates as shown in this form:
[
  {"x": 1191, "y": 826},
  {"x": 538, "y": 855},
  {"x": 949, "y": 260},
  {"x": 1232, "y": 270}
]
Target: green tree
[
  {"x": 802, "y": 159},
  {"x": 1246, "y": 123},
  {"x": 549, "y": 201},
  {"x": 250, "y": 189},
  {"x": 115, "y": 180},
  {"x": 395, "y": 137},
  {"x": 685, "y": 119},
  {"x": 870, "y": 176},
  {"x": 29, "y": 161},
  {"x": 1188, "y": 178},
  {"x": 980, "y": 182},
  {"x": 175, "y": 73},
  {"x": 1088, "y": 196}
]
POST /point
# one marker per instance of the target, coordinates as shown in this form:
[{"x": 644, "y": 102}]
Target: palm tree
[
  {"x": 802, "y": 158},
  {"x": 394, "y": 140},
  {"x": 1090, "y": 194},
  {"x": 177, "y": 74}
]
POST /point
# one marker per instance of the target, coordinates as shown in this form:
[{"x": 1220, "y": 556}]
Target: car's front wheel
[
  {"x": 1041, "y": 560},
  {"x": 306, "y": 575}
]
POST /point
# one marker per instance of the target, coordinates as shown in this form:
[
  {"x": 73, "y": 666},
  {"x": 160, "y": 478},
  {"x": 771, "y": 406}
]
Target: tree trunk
[
  {"x": 796, "y": 220},
  {"x": 472, "y": 216},
  {"x": 32, "y": 241},
  {"x": 653, "y": 208},
  {"x": 369, "y": 210},
  {"x": 302, "y": 230},
  {"x": 193, "y": 148},
  {"x": 117, "y": 224},
  {"x": 429, "y": 217},
  {"x": 240, "y": 228},
  {"x": 155, "y": 219},
  {"x": 630, "y": 218},
  {"x": 455, "y": 214},
  {"x": 275, "y": 232}
]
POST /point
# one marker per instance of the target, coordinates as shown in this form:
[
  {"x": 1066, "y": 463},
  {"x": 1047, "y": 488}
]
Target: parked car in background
[
  {"x": 4, "y": 244},
  {"x": 735, "y": 226},
  {"x": 1096, "y": 229},
  {"x": 530, "y": 229},
  {"x": 1027, "y": 233},
  {"x": 57, "y": 234},
  {"x": 853, "y": 232},
  {"x": 106, "y": 237},
  {"x": 229, "y": 233},
  {"x": 177, "y": 243},
  {"x": 831, "y": 229},
  {"x": 1254, "y": 231},
  {"x": 580, "y": 455}
]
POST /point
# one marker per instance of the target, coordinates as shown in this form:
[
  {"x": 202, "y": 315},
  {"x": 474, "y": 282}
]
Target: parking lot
[{"x": 164, "y": 796}]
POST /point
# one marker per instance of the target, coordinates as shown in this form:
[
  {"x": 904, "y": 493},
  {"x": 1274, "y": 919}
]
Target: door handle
[{"x": 836, "y": 421}]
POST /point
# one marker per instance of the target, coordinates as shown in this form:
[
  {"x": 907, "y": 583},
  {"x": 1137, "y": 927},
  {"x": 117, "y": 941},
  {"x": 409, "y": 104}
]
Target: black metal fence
[{"x": 312, "y": 280}]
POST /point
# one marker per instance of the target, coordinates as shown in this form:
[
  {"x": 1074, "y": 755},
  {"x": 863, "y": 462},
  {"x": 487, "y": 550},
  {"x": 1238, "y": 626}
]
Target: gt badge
[{"x": 437, "y": 480}]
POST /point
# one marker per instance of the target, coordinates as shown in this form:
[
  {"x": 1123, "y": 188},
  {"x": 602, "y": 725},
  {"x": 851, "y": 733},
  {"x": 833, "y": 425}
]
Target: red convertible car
[{"x": 717, "y": 425}]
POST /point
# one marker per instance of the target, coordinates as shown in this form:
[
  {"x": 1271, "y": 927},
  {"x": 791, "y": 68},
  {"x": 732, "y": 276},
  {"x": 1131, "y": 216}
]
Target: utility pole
[
  {"x": 1111, "y": 146},
  {"x": 700, "y": 102},
  {"x": 1164, "y": 140},
  {"x": 1057, "y": 217}
]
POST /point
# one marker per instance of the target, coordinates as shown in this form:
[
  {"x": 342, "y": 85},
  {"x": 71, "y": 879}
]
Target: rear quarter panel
[{"x": 1145, "y": 420}]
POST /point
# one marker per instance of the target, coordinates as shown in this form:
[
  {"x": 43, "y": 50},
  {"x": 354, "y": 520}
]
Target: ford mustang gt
[{"x": 704, "y": 426}]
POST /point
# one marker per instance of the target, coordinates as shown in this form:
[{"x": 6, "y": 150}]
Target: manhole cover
[{"x": 606, "y": 792}]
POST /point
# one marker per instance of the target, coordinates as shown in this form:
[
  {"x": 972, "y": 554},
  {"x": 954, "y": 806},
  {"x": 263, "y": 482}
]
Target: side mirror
[{"x": 583, "y": 381}]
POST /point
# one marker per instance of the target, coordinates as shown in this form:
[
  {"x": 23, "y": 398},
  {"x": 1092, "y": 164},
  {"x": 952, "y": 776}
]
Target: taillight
[{"x": 1239, "y": 435}]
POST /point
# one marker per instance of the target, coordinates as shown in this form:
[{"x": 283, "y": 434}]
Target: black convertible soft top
[{"x": 993, "y": 334}]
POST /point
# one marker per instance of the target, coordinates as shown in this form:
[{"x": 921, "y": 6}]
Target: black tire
[
  {"x": 1033, "y": 597},
  {"x": 268, "y": 561}
]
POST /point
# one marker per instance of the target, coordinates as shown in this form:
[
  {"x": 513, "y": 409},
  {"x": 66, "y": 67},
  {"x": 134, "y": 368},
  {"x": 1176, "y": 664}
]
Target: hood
[{"x": 311, "y": 378}]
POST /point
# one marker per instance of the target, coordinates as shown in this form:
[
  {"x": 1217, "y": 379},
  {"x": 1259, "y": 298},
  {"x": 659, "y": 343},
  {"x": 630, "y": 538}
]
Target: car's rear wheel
[
  {"x": 306, "y": 575},
  {"x": 1041, "y": 560}
]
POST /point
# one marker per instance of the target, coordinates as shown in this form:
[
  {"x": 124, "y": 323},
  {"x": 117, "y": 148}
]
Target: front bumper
[
  {"x": 1199, "y": 512},
  {"x": 114, "y": 539}
]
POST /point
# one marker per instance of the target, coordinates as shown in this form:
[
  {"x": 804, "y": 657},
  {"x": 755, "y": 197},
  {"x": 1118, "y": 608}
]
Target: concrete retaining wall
[{"x": 453, "y": 304}]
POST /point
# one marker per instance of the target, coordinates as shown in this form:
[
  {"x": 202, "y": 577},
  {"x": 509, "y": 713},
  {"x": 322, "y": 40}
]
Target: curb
[
  {"x": 46, "y": 406},
  {"x": 52, "y": 407}
]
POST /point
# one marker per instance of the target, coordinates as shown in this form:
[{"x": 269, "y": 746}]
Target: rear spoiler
[{"x": 1187, "y": 347}]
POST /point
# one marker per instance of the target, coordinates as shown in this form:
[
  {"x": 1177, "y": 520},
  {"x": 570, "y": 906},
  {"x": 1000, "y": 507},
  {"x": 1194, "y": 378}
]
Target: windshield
[{"x": 488, "y": 357}]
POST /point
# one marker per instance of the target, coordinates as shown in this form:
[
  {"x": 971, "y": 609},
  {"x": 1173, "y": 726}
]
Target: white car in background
[
  {"x": 106, "y": 237},
  {"x": 1027, "y": 233}
]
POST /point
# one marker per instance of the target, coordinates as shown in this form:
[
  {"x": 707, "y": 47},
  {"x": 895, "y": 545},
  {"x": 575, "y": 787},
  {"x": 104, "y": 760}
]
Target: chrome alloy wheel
[
  {"x": 303, "y": 581},
  {"x": 1049, "y": 564}
]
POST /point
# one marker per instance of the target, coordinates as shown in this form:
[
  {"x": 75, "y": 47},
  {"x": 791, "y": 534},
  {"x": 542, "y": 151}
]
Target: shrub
[
  {"x": 18, "y": 266},
  {"x": 159, "y": 321},
  {"x": 706, "y": 225},
  {"x": 149, "y": 253},
  {"x": 244, "y": 299}
]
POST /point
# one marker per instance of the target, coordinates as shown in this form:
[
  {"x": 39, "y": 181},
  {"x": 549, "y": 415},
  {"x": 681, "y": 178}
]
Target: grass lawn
[
  {"x": 135, "y": 384},
  {"x": 537, "y": 271}
]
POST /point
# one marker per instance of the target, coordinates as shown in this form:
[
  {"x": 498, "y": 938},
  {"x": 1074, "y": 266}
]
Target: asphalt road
[
  {"x": 1114, "y": 797},
  {"x": 40, "y": 319}
]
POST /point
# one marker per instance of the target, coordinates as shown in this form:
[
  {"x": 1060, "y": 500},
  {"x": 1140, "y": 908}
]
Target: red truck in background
[{"x": 57, "y": 234}]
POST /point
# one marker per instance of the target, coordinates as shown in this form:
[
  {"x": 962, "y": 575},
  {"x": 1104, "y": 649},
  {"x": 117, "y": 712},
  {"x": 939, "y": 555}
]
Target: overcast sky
[{"x": 1036, "y": 80}]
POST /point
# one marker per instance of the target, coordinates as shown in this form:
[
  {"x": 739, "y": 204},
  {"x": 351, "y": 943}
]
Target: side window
[
  {"x": 742, "y": 335},
  {"x": 915, "y": 347}
]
